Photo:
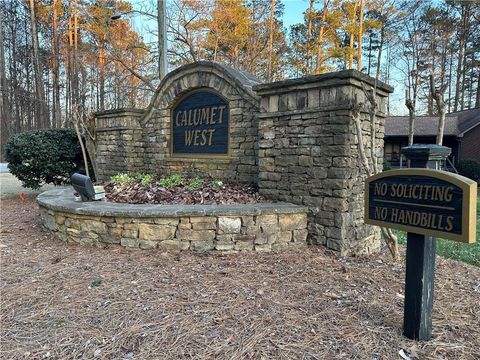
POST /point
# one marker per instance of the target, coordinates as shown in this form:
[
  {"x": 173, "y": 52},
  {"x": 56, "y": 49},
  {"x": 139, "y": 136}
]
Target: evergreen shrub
[
  {"x": 469, "y": 169},
  {"x": 46, "y": 156}
]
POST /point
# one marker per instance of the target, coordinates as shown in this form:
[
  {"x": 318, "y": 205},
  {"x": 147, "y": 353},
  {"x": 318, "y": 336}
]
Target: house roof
[{"x": 456, "y": 124}]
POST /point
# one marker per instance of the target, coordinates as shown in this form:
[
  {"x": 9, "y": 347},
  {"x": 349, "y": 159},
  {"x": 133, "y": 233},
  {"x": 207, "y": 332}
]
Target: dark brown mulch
[
  {"x": 229, "y": 193},
  {"x": 63, "y": 301}
]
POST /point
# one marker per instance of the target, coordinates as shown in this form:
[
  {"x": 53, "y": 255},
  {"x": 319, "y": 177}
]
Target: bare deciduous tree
[{"x": 437, "y": 95}]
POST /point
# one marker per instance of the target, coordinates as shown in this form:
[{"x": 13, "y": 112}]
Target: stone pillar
[
  {"x": 119, "y": 142},
  {"x": 308, "y": 153},
  {"x": 426, "y": 156}
]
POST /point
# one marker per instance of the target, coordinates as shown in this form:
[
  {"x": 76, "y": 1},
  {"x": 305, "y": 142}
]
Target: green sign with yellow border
[{"x": 423, "y": 201}]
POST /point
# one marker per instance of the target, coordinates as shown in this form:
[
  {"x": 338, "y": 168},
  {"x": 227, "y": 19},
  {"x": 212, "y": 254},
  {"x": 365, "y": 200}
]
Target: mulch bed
[
  {"x": 228, "y": 193},
  {"x": 71, "y": 302}
]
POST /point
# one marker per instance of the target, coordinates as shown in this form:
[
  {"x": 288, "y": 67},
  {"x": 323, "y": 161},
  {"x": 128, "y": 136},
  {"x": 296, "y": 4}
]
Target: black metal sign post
[
  {"x": 419, "y": 285},
  {"x": 427, "y": 203},
  {"x": 420, "y": 257}
]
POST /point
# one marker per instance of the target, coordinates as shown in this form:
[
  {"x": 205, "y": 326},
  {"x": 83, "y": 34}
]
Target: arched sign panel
[{"x": 200, "y": 125}]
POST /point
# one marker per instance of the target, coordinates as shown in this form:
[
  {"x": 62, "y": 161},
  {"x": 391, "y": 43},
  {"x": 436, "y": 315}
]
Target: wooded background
[{"x": 62, "y": 58}]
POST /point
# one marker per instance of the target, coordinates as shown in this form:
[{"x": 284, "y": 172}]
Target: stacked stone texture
[
  {"x": 296, "y": 138},
  {"x": 308, "y": 154},
  {"x": 119, "y": 142},
  {"x": 263, "y": 232},
  {"x": 154, "y": 135}
]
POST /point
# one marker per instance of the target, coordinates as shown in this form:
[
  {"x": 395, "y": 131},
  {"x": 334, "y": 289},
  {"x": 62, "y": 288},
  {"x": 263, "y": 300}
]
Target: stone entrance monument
[{"x": 295, "y": 138}]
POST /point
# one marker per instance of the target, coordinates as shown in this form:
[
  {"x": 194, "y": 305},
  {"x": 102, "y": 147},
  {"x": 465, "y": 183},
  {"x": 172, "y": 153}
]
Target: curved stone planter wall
[{"x": 260, "y": 227}]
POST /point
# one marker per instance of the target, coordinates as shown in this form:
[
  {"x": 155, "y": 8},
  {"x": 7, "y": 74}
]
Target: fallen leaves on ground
[{"x": 63, "y": 301}]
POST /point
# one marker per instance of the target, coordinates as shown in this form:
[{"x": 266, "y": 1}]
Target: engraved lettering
[
  {"x": 449, "y": 226},
  {"x": 188, "y": 137},
  {"x": 213, "y": 109},
  {"x": 220, "y": 115},
  {"x": 177, "y": 118},
  {"x": 211, "y": 131}
]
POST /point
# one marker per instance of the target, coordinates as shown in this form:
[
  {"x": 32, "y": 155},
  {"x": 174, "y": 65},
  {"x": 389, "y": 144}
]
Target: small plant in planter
[
  {"x": 171, "y": 181},
  {"x": 126, "y": 179},
  {"x": 195, "y": 184}
]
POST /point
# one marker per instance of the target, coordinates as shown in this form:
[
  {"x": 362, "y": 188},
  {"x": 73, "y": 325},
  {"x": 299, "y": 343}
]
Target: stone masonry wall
[
  {"x": 308, "y": 154},
  {"x": 296, "y": 138},
  {"x": 235, "y": 87},
  {"x": 119, "y": 142},
  {"x": 265, "y": 227},
  {"x": 127, "y": 144}
]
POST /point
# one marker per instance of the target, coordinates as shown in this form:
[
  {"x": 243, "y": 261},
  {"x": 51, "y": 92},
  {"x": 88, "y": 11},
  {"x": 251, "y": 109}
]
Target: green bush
[
  {"x": 469, "y": 169},
  {"x": 386, "y": 165},
  {"x": 47, "y": 156}
]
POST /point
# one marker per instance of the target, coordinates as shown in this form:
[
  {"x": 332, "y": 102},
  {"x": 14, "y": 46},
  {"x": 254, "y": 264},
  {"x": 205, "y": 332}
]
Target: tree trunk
[
  {"x": 360, "y": 36},
  {"x": 460, "y": 64},
  {"x": 26, "y": 109},
  {"x": 309, "y": 36},
  {"x": 75, "y": 121},
  {"x": 437, "y": 95},
  {"x": 369, "y": 53},
  {"x": 270, "y": 41},
  {"x": 39, "y": 88},
  {"x": 462, "y": 95},
  {"x": 14, "y": 125},
  {"x": 101, "y": 71},
  {"x": 411, "y": 125},
  {"x": 321, "y": 33},
  {"x": 92, "y": 153},
  {"x": 71, "y": 62},
  {"x": 471, "y": 80},
  {"x": 352, "y": 36},
  {"x": 57, "y": 115},
  {"x": 458, "y": 83},
  {"x": 432, "y": 70},
  {"x": 443, "y": 63},
  {"x": 76, "y": 66},
  {"x": 441, "y": 121},
  {"x": 162, "y": 39},
  {"x": 410, "y": 104},
  {"x": 466, "y": 31},
  {"x": 450, "y": 80},
  {"x": 477, "y": 100},
  {"x": 4, "y": 103}
]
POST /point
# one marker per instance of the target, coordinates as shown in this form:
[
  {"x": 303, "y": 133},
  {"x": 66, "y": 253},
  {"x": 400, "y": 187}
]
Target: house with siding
[{"x": 462, "y": 134}]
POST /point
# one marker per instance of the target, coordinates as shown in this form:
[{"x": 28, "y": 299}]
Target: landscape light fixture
[{"x": 84, "y": 187}]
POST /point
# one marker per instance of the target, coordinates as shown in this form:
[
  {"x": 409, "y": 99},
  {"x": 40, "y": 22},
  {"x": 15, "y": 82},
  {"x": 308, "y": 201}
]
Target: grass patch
[{"x": 467, "y": 253}]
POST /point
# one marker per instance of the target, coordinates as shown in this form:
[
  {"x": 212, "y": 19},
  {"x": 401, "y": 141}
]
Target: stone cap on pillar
[
  {"x": 422, "y": 154},
  {"x": 338, "y": 78},
  {"x": 118, "y": 119},
  {"x": 330, "y": 92},
  {"x": 120, "y": 111}
]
